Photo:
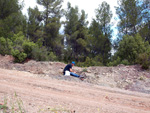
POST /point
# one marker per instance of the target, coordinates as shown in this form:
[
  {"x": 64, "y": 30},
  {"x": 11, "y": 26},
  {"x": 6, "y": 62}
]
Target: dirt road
[{"x": 47, "y": 95}]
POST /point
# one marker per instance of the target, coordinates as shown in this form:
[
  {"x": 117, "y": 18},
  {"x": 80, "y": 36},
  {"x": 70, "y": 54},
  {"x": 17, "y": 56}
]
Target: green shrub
[
  {"x": 19, "y": 56},
  {"x": 5, "y": 46},
  {"x": 125, "y": 62},
  {"x": 89, "y": 62},
  {"x": 24, "y": 48},
  {"x": 40, "y": 54},
  {"x": 52, "y": 56},
  {"x": 18, "y": 39},
  {"x": 28, "y": 47},
  {"x": 118, "y": 61},
  {"x": 130, "y": 47},
  {"x": 115, "y": 62},
  {"x": 80, "y": 64},
  {"x": 144, "y": 60}
]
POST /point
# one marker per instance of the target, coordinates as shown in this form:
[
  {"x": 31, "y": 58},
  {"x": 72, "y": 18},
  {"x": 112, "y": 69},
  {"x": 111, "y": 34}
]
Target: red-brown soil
[{"x": 46, "y": 90}]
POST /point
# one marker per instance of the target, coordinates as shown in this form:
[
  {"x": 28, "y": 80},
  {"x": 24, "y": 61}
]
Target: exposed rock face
[{"x": 124, "y": 77}]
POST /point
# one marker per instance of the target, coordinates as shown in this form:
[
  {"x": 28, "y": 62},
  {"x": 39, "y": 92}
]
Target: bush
[
  {"x": 118, "y": 61},
  {"x": 5, "y": 46},
  {"x": 52, "y": 57},
  {"x": 125, "y": 62},
  {"x": 28, "y": 47},
  {"x": 80, "y": 64},
  {"x": 115, "y": 62},
  {"x": 130, "y": 47},
  {"x": 40, "y": 54},
  {"x": 89, "y": 62},
  {"x": 19, "y": 56},
  {"x": 144, "y": 60}
]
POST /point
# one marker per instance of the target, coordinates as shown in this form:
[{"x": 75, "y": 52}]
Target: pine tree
[
  {"x": 145, "y": 25},
  {"x": 76, "y": 33},
  {"x": 34, "y": 24},
  {"x": 100, "y": 30},
  {"x": 129, "y": 13},
  {"x": 103, "y": 17},
  {"x": 11, "y": 18},
  {"x": 51, "y": 17}
]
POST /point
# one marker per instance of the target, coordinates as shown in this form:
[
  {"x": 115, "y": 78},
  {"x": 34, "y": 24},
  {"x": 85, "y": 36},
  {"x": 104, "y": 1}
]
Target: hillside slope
[
  {"x": 131, "y": 78},
  {"x": 47, "y": 95}
]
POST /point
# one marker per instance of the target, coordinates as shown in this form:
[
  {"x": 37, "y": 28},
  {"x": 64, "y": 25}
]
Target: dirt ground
[
  {"x": 47, "y": 91},
  {"x": 45, "y": 95}
]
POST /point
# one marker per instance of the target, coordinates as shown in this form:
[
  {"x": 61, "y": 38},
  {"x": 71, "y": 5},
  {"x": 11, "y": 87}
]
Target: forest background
[{"x": 37, "y": 36}]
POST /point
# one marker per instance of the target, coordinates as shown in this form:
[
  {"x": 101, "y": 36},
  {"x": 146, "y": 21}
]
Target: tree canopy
[{"x": 38, "y": 35}]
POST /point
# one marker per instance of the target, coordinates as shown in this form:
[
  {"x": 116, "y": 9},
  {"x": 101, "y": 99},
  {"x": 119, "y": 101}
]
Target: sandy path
[{"x": 44, "y": 94}]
